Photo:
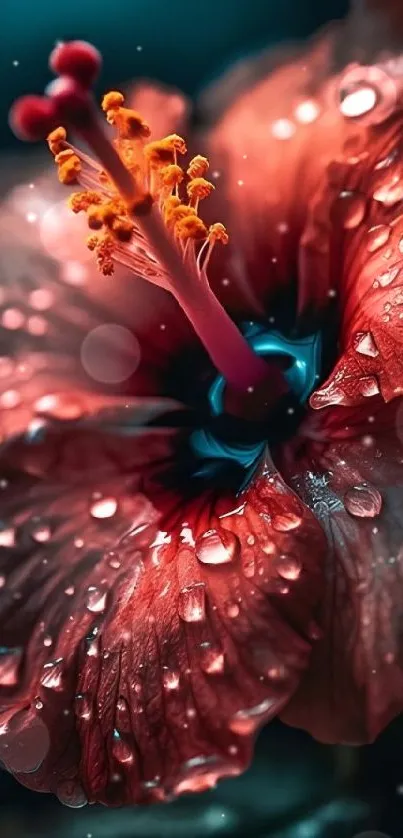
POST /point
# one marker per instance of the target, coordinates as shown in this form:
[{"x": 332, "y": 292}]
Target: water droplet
[
  {"x": 363, "y": 501},
  {"x": 357, "y": 100},
  {"x": 7, "y": 537},
  {"x": 121, "y": 750},
  {"x": 286, "y": 521},
  {"x": 216, "y": 547},
  {"x": 283, "y": 129},
  {"x": 83, "y": 706},
  {"x": 71, "y": 793},
  {"x": 10, "y": 660},
  {"x": 377, "y": 237},
  {"x": 369, "y": 387},
  {"x": 202, "y": 772},
  {"x": 245, "y": 722},
  {"x": 10, "y": 399},
  {"x": 288, "y": 567},
  {"x": 192, "y": 603},
  {"x": 41, "y": 533},
  {"x": 25, "y": 743},
  {"x": 365, "y": 344},
  {"x": 349, "y": 210},
  {"x": 388, "y": 277},
  {"x": 59, "y": 406},
  {"x": 211, "y": 659},
  {"x": 170, "y": 679},
  {"x": 232, "y": 610},
  {"x": 52, "y": 676},
  {"x": 104, "y": 508},
  {"x": 307, "y": 112},
  {"x": 96, "y": 600}
]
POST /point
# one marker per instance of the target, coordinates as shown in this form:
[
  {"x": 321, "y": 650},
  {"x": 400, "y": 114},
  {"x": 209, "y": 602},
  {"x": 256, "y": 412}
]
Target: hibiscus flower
[{"x": 202, "y": 445}]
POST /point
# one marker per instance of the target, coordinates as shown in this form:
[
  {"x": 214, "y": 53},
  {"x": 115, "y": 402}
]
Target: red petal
[
  {"x": 367, "y": 256},
  {"x": 148, "y": 637},
  {"x": 270, "y": 150},
  {"x": 354, "y": 485}
]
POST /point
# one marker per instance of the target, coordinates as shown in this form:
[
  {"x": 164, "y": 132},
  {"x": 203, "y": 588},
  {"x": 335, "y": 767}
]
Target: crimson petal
[
  {"x": 145, "y": 638},
  {"x": 354, "y": 484}
]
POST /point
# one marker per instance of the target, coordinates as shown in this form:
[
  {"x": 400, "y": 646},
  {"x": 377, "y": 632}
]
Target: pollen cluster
[{"x": 172, "y": 189}]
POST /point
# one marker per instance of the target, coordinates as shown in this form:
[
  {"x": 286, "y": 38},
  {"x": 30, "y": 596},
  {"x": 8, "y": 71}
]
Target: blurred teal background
[
  {"x": 181, "y": 42},
  {"x": 296, "y": 788}
]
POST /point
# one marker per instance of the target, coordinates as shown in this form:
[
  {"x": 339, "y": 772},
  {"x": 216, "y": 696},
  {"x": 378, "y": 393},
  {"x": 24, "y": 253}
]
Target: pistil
[{"x": 134, "y": 198}]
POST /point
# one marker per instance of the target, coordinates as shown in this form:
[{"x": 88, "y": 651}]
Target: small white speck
[
  {"x": 216, "y": 174},
  {"x": 251, "y": 389},
  {"x": 290, "y": 411},
  {"x": 139, "y": 48},
  {"x": 31, "y": 217},
  {"x": 32, "y": 186},
  {"x": 332, "y": 292},
  {"x": 244, "y": 157},
  {"x": 16, "y": 63},
  {"x": 240, "y": 182},
  {"x": 225, "y": 281},
  {"x": 162, "y": 327}
]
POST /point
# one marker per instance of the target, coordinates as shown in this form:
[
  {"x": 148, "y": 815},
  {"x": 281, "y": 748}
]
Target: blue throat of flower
[{"x": 302, "y": 359}]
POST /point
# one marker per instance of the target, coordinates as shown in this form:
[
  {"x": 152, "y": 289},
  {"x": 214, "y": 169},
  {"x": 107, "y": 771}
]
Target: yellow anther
[
  {"x": 199, "y": 188},
  {"x": 104, "y": 250},
  {"x": 56, "y": 140},
  {"x": 172, "y": 175},
  {"x": 130, "y": 124},
  {"x": 92, "y": 242},
  {"x": 81, "y": 201},
  {"x": 191, "y": 227},
  {"x": 68, "y": 166},
  {"x": 174, "y": 143},
  {"x": 122, "y": 228},
  {"x": 112, "y": 101},
  {"x": 218, "y": 233},
  {"x": 179, "y": 212},
  {"x": 198, "y": 166},
  {"x": 158, "y": 154}
]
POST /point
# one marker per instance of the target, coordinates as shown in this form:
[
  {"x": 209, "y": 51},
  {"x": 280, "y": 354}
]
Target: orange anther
[
  {"x": 172, "y": 175},
  {"x": 68, "y": 166},
  {"x": 191, "y": 227},
  {"x": 218, "y": 233},
  {"x": 81, "y": 201},
  {"x": 198, "y": 166},
  {"x": 56, "y": 140},
  {"x": 199, "y": 188}
]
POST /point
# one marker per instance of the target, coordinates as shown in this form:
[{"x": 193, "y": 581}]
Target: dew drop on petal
[
  {"x": 192, "y": 603},
  {"x": 25, "y": 743},
  {"x": 7, "y": 537},
  {"x": 10, "y": 660},
  {"x": 170, "y": 679},
  {"x": 349, "y": 210},
  {"x": 368, "y": 387},
  {"x": 211, "y": 659},
  {"x": 121, "y": 750},
  {"x": 388, "y": 277},
  {"x": 358, "y": 100},
  {"x": 363, "y": 501},
  {"x": 104, "y": 508},
  {"x": 41, "y": 533},
  {"x": 245, "y": 722},
  {"x": 364, "y": 344},
  {"x": 286, "y": 521},
  {"x": 83, "y": 706},
  {"x": 216, "y": 547},
  {"x": 377, "y": 237},
  {"x": 202, "y": 773},
  {"x": 96, "y": 600},
  {"x": 288, "y": 567},
  {"x": 10, "y": 399},
  {"x": 71, "y": 793},
  {"x": 52, "y": 676}
]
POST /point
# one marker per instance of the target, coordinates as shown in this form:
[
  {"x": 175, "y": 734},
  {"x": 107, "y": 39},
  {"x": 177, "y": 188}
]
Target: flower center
[{"x": 143, "y": 210}]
